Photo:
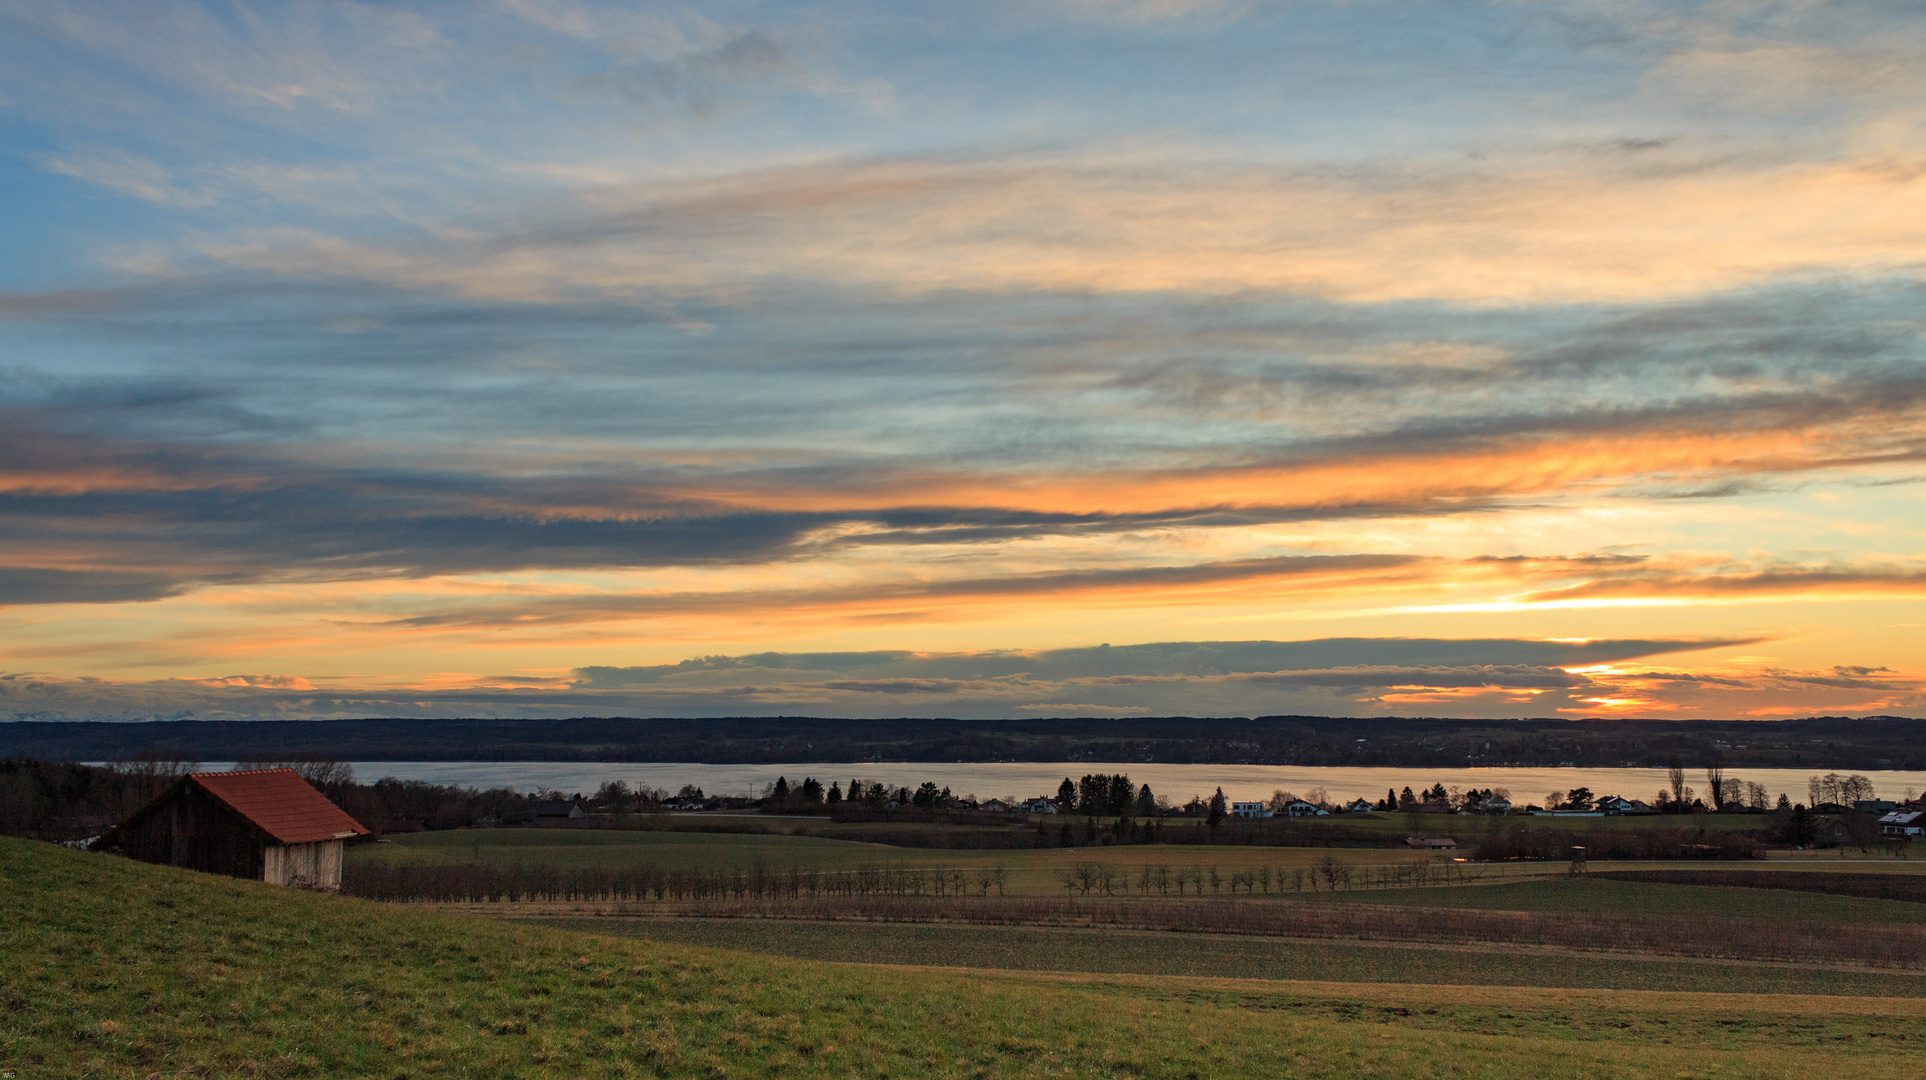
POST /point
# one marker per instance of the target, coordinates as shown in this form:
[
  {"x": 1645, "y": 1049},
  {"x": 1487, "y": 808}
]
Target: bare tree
[
  {"x": 1328, "y": 867},
  {"x": 1855, "y": 788},
  {"x": 1734, "y": 795},
  {"x": 318, "y": 769},
  {"x": 1675, "y": 771},
  {"x": 1715, "y": 777}
]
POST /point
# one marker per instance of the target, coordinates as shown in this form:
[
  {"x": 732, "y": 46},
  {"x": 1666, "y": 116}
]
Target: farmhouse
[
  {"x": 1909, "y": 824},
  {"x": 1358, "y": 806},
  {"x": 265, "y": 824},
  {"x": 1299, "y": 808}
]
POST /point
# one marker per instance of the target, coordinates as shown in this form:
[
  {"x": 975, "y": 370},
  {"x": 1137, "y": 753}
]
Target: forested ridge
[{"x": 1818, "y": 742}]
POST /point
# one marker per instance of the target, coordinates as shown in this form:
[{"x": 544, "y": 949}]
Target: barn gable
[{"x": 266, "y": 824}]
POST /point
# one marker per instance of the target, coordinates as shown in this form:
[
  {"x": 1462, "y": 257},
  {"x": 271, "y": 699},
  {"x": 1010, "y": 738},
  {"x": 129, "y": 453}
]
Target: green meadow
[
  {"x": 119, "y": 969},
  {"x": 1031, "y": 871}
]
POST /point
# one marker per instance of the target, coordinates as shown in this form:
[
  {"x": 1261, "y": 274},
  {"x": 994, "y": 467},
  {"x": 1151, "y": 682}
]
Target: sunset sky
[{"x": 1059, "y": 357}]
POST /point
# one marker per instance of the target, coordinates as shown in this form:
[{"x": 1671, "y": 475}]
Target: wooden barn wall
[
  {"x": 195, "y": 831},
  {"x": 305, "y": 866}
]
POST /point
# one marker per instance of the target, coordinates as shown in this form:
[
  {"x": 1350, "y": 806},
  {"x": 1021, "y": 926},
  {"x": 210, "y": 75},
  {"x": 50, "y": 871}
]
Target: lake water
[{"x": 1007, "y": 780}]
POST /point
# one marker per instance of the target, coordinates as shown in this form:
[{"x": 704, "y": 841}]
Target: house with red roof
[{"x": 265, "y": 824}]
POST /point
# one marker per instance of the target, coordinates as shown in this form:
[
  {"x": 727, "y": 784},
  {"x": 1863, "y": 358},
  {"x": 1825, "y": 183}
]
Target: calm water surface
[{"x": 1029, "y": 779}]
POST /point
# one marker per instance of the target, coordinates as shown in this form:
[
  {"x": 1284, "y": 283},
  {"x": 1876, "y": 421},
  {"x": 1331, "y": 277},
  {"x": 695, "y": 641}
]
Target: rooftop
[{"x": 280, "y": 804}]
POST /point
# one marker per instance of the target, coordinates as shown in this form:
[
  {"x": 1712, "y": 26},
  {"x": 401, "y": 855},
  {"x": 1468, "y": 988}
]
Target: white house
[
  {"x": 1040, "y": 806},
  {"x": 1299, "y": 808},
  {"x": 1359, "y": 806},
  {"x": 1251, "y": 809},
  {"x": 1910, "y": 824}
]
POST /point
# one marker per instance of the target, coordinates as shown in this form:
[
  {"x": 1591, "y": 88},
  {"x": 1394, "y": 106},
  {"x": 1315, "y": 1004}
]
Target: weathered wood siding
[{"x": 304, "y": 866}]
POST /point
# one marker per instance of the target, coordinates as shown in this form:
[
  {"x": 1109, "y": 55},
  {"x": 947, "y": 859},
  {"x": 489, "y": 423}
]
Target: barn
[{"x": 265, "y": 824}]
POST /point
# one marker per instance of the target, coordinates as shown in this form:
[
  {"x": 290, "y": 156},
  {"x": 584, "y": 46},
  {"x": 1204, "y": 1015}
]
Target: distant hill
[{"x": 1816, "y": 743}]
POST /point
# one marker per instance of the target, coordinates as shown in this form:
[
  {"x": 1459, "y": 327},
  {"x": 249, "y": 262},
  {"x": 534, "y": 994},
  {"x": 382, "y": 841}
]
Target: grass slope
[
  {"x": 1025, "y": 948},
  {"x": 124, "y": 970}
]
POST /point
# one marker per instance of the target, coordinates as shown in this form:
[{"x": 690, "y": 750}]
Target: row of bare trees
[
  {"x": 515, "y": 883},
  {"x": 1162, "y": 879},
  {"x": 480, "y": 882}
]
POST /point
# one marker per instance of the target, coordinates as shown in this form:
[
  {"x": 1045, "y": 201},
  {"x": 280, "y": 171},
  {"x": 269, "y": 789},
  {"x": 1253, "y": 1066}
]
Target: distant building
[
  {"x": 558, "y": 810},
  {"x": 1495, "y": 805},
  {"x": 266, "y": 824},
  {"x": 1359, "y": 806},
  {"x": 1907, "y": 824},
  {"x": 1041, "y": 806},
  {"x": 1876, "y": 806},
  {"x": 1299, "y": 808},
  {"x": 1431, "y": 843},
  {"x": 997, "y": 806},
  {"x": 1251, "y": 809}
]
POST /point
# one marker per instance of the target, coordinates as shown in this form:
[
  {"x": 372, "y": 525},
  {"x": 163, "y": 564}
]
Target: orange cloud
[{"x": 1554, "y": 226}]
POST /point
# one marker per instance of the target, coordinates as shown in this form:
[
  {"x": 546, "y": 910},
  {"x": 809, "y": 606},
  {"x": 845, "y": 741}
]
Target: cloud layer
[{"x": 398, "y": 350}]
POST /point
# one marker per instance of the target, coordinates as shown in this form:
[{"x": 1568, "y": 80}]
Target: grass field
[
  {"x": 117, "y": 969},
  {"x": 1031, "y": 872},
  {"x": 1150, "y": 953}
]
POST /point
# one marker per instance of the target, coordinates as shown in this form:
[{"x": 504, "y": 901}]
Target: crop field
[
  {"x": 1595, "y": 894},
  {"x": 117, "y": 969},
  {"x": 1162, "y": 953}
]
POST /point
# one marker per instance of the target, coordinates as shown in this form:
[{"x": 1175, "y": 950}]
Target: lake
[{"x": 1028, "y": 779}]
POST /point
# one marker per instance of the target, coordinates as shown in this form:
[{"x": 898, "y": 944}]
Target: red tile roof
[{"x": 282, "y": 804}]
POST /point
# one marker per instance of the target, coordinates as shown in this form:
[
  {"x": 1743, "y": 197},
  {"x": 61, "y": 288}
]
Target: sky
[{"x": 1063, "y": 357}]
